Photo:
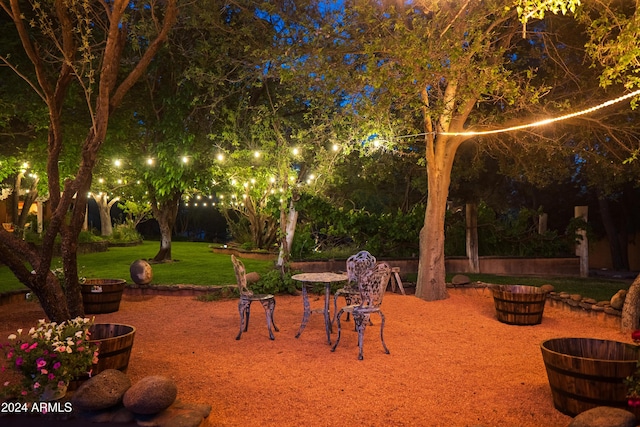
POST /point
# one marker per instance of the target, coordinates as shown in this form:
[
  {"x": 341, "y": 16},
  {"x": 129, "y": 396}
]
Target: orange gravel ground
[{"x": 451, "y": 363}]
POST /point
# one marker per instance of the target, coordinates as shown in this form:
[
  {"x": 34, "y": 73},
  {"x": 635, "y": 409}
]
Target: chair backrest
[
  {"x": 373, "y": 284},
  {"x": 359, "y": 263},
  {"x": 241, "y": 276}
]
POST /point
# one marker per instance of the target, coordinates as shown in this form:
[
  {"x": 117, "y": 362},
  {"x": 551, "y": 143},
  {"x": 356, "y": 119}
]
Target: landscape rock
[
  {"x": 151, "y": 395},
  {"x": 141, "y": 272},
  {"x": 604, "y": 416},
  {"x": 252, "y": 277},
  {"x": 617, "y": 301},
  {"x": 101, "y": 391},
  {"x": 460, "y": 279},
  {"x": 548, "y": 287},
  {"x": 177, "y": 415}
]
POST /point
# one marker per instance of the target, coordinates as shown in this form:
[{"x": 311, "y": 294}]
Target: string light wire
[{"x": 534, "y": 124}]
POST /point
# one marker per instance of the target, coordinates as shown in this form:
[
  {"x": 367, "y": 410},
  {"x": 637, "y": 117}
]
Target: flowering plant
[
  {"x": 633, "y": 381},
  {"x": 49, "y": 356}
]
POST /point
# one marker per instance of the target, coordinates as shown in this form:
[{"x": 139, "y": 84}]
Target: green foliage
[
  {"x": 325, "y": 227},
  {"x": 125, "y": 233},
  {"x": 275, "y": 282},
  {"x": 511, "y": 233}
]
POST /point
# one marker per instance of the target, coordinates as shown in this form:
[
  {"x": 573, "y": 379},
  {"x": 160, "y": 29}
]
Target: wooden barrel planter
[
  {"x": 114, "y": 345},
  {"x": 585, "y": 373},
  {"x": 102, "y": 295},
  {"x": 519, "y": 304}
]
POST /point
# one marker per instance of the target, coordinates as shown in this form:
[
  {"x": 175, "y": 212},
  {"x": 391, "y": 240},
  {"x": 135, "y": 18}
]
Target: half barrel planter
[
  {"x": 519, "y": 304},
  {"x": 115, "y": 341},
  {"x": 585, "y": 373},
  {"x": 102, "y": 295}
]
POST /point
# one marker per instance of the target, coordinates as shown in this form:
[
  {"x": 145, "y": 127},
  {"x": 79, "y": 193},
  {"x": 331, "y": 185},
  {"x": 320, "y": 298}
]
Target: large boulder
[
  {"x": 101, "y": 391},
  {"x": 151, "y": 395}
]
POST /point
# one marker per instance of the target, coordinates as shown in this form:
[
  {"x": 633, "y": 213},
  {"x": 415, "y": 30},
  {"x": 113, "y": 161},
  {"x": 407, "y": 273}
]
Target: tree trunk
[
  {"x": 166, "y": 213},
  {"x": 631, "y": 310},
  {"x": 431, "y": 284},
  {"x": 104, "y": 209},
  {"x": 289, "y": 226},
  {"x": 472, "y": 237},
  {"x": 29, "y": 199}
]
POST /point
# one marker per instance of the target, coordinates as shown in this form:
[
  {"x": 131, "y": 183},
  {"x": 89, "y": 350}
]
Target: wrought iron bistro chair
[
  {"x": 247, "y": 296},
  {"x": 356, "y": 265},
  {"x": 372, "y": 286}
]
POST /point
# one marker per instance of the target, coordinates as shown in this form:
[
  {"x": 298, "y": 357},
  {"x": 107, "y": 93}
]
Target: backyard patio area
[{"x": 451, "y": 363}]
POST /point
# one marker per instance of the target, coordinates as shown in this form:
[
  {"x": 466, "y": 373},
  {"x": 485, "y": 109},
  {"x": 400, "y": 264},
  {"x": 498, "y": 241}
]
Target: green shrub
[
  {"x": 125, "y": 233},
  {"x": 275, "y": 282}
]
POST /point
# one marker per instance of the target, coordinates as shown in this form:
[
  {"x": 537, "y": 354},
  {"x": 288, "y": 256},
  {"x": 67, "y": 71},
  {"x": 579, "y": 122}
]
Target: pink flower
[
  {"x": 24, "y": 346},
  {"x": 32, "y": 346},
  {"x": 57, "y": 365},
  {"x": 635, "y": 335},
  {"x": 36, "y": 385},
  {"x": 51, "y": 376},
  {"x": 40, "y": 363},
  {"x": 633, "y": 401},
  {"x": 19, "y": 361}
]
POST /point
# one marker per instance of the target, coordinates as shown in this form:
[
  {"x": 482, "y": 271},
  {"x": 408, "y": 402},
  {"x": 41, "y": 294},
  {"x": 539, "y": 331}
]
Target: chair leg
[
  {"x": 339, "y": 330},
  {"x": 269, "y": 306},
  {"x": 361, "y": 321},
  {"x": 381, "y": 332},
  {"x": 243, "y": 309}
]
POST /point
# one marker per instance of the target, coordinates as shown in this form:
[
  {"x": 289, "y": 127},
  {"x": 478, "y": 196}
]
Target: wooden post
[
  {"x": 471, "y": 215},
  {"x": 582, "y": 247},
  {"x": 542, "y": 223}
]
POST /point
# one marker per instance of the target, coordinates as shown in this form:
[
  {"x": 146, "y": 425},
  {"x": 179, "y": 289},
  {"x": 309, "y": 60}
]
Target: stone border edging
[{"x": 575, "y": 303}]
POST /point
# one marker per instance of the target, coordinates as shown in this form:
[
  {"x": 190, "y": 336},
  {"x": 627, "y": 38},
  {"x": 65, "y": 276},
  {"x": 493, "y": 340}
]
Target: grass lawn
[{"x": 196, "y": 264}]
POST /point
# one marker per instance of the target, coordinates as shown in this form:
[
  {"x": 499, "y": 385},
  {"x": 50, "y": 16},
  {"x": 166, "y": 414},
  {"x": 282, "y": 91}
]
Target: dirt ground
[{"x": 451, "y": 363}]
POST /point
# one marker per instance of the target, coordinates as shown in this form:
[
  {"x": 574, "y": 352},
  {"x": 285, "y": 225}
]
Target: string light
[{"x": 546, "y": 121}]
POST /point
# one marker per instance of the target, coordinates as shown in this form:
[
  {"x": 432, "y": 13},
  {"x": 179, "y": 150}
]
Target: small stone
[
  {"x": 604, "y": 416},
  {"x": 101, "y": 391},
  {"x": 589, "y": 301},
  {"x": 151, "y": 395},
  {"x": 547, "y": 288},
  {"x": 576, "y": 297},
  {"x": 460, "y": 279},
  {"x": 617, "y": 301},
  {"x": 252, "y": 277}
]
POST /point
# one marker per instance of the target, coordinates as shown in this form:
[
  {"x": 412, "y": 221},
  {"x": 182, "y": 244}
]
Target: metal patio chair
[
  {"x": 372, "y": 286},
  {"x": 356, "y": 265},
  {"x": 247, "y": 296}
]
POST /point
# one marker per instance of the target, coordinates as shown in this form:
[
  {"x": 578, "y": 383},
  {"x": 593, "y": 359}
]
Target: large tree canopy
[{"x": 74, "y": 51}]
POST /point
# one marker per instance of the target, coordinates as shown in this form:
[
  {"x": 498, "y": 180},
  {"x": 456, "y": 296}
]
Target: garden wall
[{"x": 488, "y": 265}]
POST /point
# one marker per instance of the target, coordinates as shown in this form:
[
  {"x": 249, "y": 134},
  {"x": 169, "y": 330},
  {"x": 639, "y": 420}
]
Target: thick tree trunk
[
  {"x": 630, "y": 320},
  {"x": 431, "y": 284}
]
